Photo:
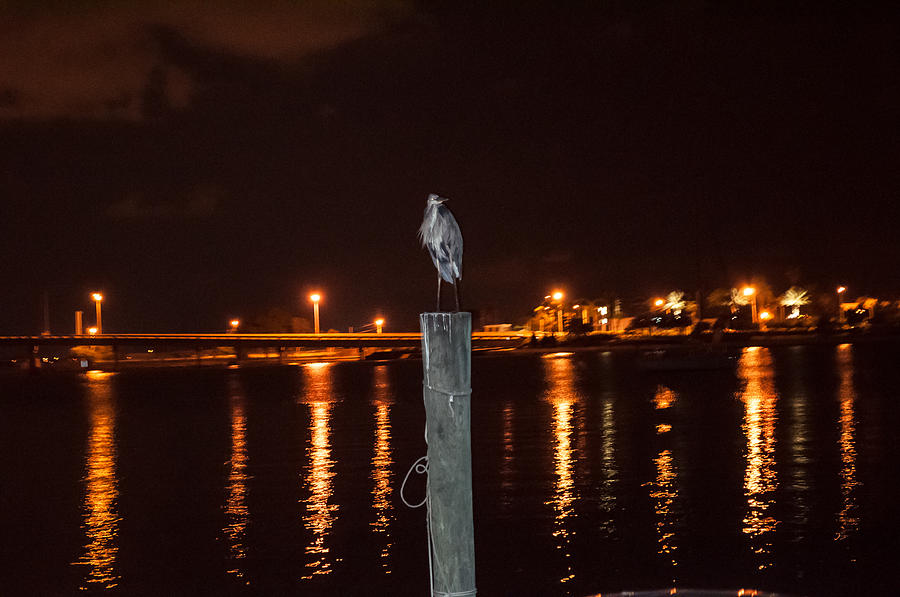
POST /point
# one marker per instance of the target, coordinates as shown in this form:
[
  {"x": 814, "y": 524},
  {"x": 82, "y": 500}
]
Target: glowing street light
[
  {"x": 92, "y": 331},
  {"x": 748, "y": 292},
  {"x": 98, "y": 298},
  {"x": 840, "y": 290},
  {"x": 558, "y": 297},
  {"x": 234, "y": 323},
  {"x": 659, "y": 302},
  {"x": 315, "y": 298},
  {"x": 378, "y": 325}
]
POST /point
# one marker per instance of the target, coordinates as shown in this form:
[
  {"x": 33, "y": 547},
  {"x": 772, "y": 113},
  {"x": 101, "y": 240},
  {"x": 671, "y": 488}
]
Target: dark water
[{"x": 588, "y": 477}]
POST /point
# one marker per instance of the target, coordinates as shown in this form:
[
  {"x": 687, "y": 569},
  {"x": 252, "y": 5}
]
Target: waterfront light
[
  {"x": 659, "y": 302},
  {"x": 748, "y": 292},
  {"x": 234, "y": 323},
  {"x": 378, "y": 325},
  {"x": 98, "y": 298},
  {"x": 840, "y": 291},
  {"x": 315, "y": 298},
  {"x": 675, "y": 302},
  {"x": 558, "y": 296},
  {"x": 92, "y": 331}
]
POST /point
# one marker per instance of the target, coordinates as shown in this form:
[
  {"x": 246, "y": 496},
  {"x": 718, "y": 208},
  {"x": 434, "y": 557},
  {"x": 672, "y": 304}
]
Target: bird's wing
[{"x": 452, "y": 246}]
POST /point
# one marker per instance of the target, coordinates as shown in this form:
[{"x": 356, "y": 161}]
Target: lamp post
[
  {"x": 98, "y": 298},
  {"x": 749, "y": 291},
  {"x": 558, "y": 297},
  {"x": 234, "y": 323},
  {"x": 840, "y": 291},
  {"x": 315, "y": 298},
  {"x": 378, "y": 325}
]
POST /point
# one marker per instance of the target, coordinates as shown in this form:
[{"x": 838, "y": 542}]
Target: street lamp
[
  {"x": 98, "y": 298},
  {"x": 315, "y": 298},
  {"x": 558, "y": 297},
  {"x": 659, "y": 302},
  {"x": 840, "y": 290},
  {"x": 749, "y": 291},
  {"x": 234, "y": 324},
  {"x": 378, "y": 325},
  {"x": 92, "y": 331}
]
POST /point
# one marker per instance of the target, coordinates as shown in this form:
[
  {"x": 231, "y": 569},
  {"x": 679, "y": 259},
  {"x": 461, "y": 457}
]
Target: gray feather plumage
[{"x": 441, "y": 235}]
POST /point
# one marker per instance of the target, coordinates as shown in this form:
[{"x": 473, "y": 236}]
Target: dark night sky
[{"x": 198, "y": 165}]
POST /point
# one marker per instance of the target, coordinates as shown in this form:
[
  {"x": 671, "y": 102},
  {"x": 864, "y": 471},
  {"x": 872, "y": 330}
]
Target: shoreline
[{"x": 732, "y": 340}]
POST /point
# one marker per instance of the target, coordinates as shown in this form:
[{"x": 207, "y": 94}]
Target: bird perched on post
[{"x": 440, "y": 234}]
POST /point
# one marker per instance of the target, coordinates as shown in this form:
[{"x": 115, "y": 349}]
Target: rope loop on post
[{"x": 421, "y": 468}]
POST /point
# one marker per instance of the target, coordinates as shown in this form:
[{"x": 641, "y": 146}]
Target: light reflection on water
[
  {"x": 608, "y": 467},
  {"x": 382, "y": 462},
  {"x": 760, "y": 480},
  {"x": 788, "y": 476},
  {"x": 319, "y": 473},
  {"x": 101, "y": 518},
  {"x": 560, "y": 374},
  {"x": 508, "y": 459},
  {"x": 664, "y": 492},
  {"x": 236, "y": 512},
  {"x": 847, "y": 517},
  {"x": 798, "y": 478}
]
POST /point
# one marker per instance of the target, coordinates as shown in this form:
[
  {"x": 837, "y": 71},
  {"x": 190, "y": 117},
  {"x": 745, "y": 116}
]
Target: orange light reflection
[
  {"x": 560, "y": 373},
  {"x": 664, "y": 489},
  {"x": 236, "y": 511},
  {"x": 760, "y": 480},
  {"x": 847, "y": 517},
  {"x": 381, "y": 464},
  {"x": 101, "y": 519},
  {"x": 321, "y": 514}
]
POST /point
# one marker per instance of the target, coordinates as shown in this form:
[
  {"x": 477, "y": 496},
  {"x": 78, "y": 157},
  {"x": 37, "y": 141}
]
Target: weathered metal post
[{"x": 446, "y": 359}]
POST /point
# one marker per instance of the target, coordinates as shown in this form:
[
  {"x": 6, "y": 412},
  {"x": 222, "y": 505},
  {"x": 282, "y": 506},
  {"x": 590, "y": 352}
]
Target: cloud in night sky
[{"x": 99, "y": 62}]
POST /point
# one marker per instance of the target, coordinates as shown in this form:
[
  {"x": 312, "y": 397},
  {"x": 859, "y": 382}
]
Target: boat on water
[{"x": 686, "y": 358}]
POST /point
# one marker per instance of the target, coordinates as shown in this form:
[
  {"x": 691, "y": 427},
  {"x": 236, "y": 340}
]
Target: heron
[{"x": 440, "y": 234}]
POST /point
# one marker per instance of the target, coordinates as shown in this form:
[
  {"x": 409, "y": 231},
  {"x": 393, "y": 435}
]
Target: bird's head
[{"x": 435, "y": 199}]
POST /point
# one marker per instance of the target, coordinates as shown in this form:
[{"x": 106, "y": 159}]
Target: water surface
[{"x": 588, "y": 476}]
